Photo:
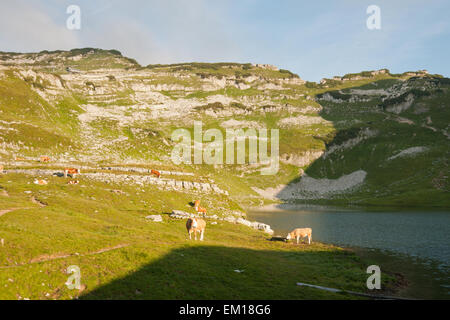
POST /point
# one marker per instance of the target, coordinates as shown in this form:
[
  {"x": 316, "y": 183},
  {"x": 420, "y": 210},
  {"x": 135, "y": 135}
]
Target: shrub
[
  {"x": 115, "y": 52},
  {"x": 238, "y": 105},
  {"x": 289, "y": 73},
  {"x": 311, "y": 85},
  {"x": 90, "y": 84},
  {"x": 210, "y": 106}
]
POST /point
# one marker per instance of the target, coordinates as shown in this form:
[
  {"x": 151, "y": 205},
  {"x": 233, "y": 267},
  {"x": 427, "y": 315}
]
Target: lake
[{"x": 422, "y": 234}]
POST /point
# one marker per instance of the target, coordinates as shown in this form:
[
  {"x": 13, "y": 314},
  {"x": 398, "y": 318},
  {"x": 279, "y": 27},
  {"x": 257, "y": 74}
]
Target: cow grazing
[
  {"x": 73, "y": 172},
  {"x": 195, "y": 225},
  {"x": 44, "y": 159},
  {"x": 300, "y": 233},
  {"x": 156, "y": 173}
]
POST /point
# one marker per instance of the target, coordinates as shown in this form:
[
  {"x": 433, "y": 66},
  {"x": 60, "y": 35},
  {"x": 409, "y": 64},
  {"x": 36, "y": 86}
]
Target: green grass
[
  {"x": 416, "y": 180},
  {"x": 156, "y": 261}
]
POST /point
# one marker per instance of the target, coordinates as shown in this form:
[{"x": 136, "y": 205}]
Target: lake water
[{"x": 423, "y": 234}]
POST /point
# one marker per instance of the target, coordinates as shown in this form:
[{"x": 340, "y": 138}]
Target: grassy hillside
[
  {"x": 113, "y": 111},
  {"x": 122, "y": 255},
  {"x": 406, "y": 153},
  {"x": 99, "y": 111}
]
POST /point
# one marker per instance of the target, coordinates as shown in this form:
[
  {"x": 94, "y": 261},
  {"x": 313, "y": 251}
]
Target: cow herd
[{"x": 193, "y": 225}]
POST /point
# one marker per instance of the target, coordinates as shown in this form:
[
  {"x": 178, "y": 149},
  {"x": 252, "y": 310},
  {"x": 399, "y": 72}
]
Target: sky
[{"x": 314, "y": 39}]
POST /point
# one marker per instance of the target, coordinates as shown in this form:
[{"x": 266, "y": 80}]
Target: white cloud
[
  {"x": 131, "y": 38},
  {"x": 27, "y": 27}
]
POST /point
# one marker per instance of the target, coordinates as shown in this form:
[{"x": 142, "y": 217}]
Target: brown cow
[
  {"x": 201, "y": 210},
  {"x": 45, "y": 159},
  {"x": 156, "y": 173},
  {"x": 72, "y": 171},
  {"x": 40, "y": 182},
  {"x": 196, "y": 204},
  {"x": 195, "y": 225}
]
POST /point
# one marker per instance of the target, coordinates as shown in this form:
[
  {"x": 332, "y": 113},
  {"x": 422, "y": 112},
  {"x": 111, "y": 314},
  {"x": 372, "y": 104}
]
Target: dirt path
[
  {"x": 46, "y": 257},
  {"x": 2, "y": 212}
]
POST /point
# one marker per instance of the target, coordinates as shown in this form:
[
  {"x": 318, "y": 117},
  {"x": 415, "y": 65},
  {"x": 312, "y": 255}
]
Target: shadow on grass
[{"x": 209, "y": 272}]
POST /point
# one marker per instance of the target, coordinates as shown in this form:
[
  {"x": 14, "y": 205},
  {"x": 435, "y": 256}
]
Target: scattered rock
[
  {"x": 154, "y": 217},
  {"x": 230, "y": 219},
  {"x": 118, "y": 191},
  {"x": 409, "y": 152},
  {"x": 262, "y": 226},
  {"x": 302, "y": 120},
  {"x": 178, "y": 214},
  {"x": 244, "y": 222}
]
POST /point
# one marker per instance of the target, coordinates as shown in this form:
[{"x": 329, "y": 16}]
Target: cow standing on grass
[
  {"x": 195, "y": 225},
  {"x": 196, "y": 204},
  {"x": 201, "y": 210},
  {"x": 73, "y": 172},
  {"x": 198, "y": 208},
  {"x": 300, "y": 233}
]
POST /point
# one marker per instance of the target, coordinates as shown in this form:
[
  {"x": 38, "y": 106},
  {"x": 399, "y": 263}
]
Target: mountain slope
[{"x": 369, "y": 138}]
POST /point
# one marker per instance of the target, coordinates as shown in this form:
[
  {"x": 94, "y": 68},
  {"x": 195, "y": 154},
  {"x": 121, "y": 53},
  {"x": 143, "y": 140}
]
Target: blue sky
[{"x": 314, "y": 39}]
